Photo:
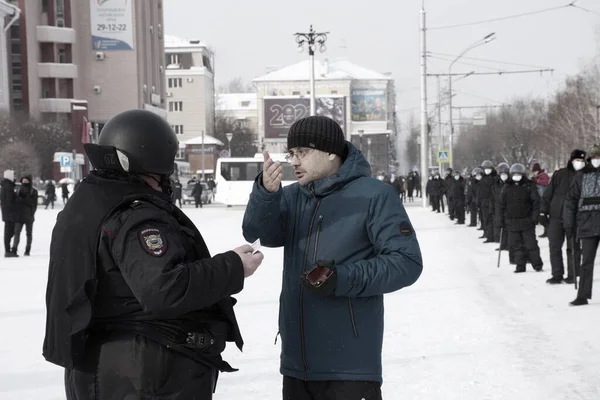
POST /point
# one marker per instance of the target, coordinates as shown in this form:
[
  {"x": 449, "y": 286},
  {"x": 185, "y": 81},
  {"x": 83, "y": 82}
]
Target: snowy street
[{"x": 465, "y": 330}]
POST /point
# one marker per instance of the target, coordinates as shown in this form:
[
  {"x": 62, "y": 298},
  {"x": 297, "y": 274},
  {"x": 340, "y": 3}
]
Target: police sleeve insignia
[{"x": 153, "y": 241}]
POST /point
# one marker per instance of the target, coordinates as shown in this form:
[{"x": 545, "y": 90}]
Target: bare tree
[
  {"x": 20, "y": 157},
  {"x": 236, "y": 85},
  {"x": 243, "y": 141}
]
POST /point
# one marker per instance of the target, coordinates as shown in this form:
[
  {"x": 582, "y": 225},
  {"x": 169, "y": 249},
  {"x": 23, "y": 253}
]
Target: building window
[
  {"x": 245, "y": 104},
  {"x": 175, "y": 82},
  {"x": 180, "y": 154},
  {"x": 174, "y": 59},
  {"x": 334, "y": 92},
  {"x": 60, "y": 13},
  {"x": 295, "y": 93},
  {"x": 62, "y": 56},
  {"x": 178, "y": 129},
  {"x": 175, "y": 106}
]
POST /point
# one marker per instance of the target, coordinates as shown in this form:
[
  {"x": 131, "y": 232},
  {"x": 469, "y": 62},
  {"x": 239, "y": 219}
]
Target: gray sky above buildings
[{"x": 248, "y": 36}]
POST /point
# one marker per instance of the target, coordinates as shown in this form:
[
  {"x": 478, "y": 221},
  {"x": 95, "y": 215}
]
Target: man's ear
[{"x": 331, "y": 156}]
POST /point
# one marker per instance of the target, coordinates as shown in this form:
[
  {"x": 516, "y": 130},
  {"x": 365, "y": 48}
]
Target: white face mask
[
  {"x": 504, "y": 177},
  {"x": 578, "y": 165},
  {"x": 478, "y": 177},
  {"x": 488, "y": 171},
  {"x": 596, "y": 162},
  {"x": 437, "y": 177},
  {"x": 517, "y": 178},
  {"x": 456, "y": 177}
]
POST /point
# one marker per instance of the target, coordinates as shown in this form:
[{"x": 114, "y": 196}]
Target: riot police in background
[
  {"x": 582, "y": 217},
  {"x": 486, "y": 199},
  {"x": 436, "y": 190},
  {"x": 457, "y": 195},
  {"x": 551, "y": 215},
  {"x": 448, "y": 183},
  {"x": 503, "y": 170},
  {"x": 136, "y": 306},
  {"x": 518, "y": 213},
  {"x": 471, "y": 196}
]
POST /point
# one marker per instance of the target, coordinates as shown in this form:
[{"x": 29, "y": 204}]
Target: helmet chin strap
[{"x": 164, "y": 183}]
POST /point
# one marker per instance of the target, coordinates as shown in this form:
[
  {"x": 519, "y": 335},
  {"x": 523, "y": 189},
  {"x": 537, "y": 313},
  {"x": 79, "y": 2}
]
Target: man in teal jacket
[{"x": 347, "y": 241}]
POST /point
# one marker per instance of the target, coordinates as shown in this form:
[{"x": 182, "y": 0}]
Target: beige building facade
[
  {"x": 108, "y": 55},
  {"x": 189, "y": 80}
]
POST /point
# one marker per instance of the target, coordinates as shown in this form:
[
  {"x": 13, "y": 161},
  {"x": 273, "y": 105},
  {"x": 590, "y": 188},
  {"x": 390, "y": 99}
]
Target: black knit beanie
[{"x": 317, "y": 132}]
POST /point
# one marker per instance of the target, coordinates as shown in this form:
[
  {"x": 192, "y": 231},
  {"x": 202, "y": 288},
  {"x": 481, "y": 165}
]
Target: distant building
[
  {"x": 362, "y": 101},
  {"x": 189, "y": 79},
  {"x": 242, "y": 107},
  {"x": 66, "y": 51},
  {"x": 9, "y": 14}
]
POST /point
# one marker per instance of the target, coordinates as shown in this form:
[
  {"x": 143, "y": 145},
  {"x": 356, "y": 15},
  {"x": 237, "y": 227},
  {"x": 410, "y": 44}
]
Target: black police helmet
[
  {"x": 518, "y": 169},
  {"x": 487, "y": 164},
  {"x": 503, "y": 168},
  {"x": 135, "y": 141},
  {"x": 476, "y": 171}
]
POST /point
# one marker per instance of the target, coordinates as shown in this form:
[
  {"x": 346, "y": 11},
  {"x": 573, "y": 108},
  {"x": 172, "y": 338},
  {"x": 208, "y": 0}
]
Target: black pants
[
  {"x": 473, "y": 211},
  {"x": 450, "y": 201},
  {"x": 435, "y": 202},
  {"x": 198, "y": 202},
  {"x": 441, "y": 197},
  {"x": 295, "y": 389},
  {"x": 458, "y": 211},
  {"x": 525, "y": 248},
  {"x": 128, "y": 367},
  {"x": 556, "y": 238},
  {"x": 29, "y": 232},
  {"x": 9, "y": 232},
  {"x": 487, "y": 216},
  {"x": 589, "y": 247}
]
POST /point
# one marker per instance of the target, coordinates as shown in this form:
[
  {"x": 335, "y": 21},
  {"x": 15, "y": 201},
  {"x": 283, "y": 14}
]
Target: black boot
[
  {"x": 520, "y": 269},
  {"x": 10, "y": 254},
  {"x": 555, "y": 280},
  {"x": 570, "y": 280},
  {"x": 538, "y": 268},
  {"x": 579, "y": 302}
]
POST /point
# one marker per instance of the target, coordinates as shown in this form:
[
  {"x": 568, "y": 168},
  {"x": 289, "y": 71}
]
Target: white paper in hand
[{"x": 256, "y": 246}]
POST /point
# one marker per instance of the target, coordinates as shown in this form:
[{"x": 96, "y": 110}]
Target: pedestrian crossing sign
[{"x": 442, "y": 156}]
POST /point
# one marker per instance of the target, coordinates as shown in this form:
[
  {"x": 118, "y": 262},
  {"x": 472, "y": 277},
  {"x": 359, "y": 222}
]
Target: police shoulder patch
[
  {"x": 406, "y": 229},
  {"x": 153, "y": 241}
]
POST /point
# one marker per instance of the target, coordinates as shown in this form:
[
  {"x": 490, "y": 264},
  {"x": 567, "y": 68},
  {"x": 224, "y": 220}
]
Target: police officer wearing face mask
[
  {"x": 136, "y": 306},
  {"x": 471, "y": 196},
  {"x": 500, "y": 235},
  {"x": 551, "y": 214},
  {"x": 458, "y": 198},
  {"x": 518, "y": 213},
  {"x": 582, "y": 217},
  {"x": 486, "y": 200}
]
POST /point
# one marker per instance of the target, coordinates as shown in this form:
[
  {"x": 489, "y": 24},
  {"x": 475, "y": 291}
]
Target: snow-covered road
[{"x": 465, "y": 330}]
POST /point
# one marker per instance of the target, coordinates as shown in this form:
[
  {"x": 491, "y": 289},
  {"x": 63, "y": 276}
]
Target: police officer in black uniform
[{"x": 136, "y": 306}]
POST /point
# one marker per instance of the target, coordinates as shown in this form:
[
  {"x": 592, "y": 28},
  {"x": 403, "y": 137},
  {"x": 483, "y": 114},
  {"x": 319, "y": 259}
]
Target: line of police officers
[{"x": 508, "y": 206}]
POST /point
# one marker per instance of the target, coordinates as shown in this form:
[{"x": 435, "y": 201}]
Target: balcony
[
  {"x": 57, "y": 70},
  {"x": 54, "y": 34},
  {"x": 55, "y": 105}
]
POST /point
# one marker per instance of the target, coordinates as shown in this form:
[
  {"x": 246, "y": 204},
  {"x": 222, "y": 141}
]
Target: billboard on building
[
  {"x": 369, "y": 105},
  {"x": 111, "y": 23},
  {"x": 281, "y": 112}
]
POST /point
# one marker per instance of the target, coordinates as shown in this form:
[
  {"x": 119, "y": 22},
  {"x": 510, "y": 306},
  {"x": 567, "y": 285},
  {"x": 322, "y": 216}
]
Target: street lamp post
[
  {"x": 478, "y": 43},
  {"x": 312, "y": 39},
  {"x": 369, "y": 150},
  {"x": 229, "y": 136}
]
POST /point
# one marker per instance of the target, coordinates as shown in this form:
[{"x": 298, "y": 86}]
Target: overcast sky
[{"x": 383, "y": 35}]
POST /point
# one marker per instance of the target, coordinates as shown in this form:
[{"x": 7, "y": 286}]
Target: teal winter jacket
[{"x": 360, "y": 223}]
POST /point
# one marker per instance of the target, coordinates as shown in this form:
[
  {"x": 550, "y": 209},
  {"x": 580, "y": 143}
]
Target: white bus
[{"x": 235, "y": 177}]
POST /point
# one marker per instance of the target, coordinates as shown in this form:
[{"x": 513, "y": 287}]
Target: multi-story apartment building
[
  {"x": 362, "y": 101},
  {"x": 189, "y": 79},
  {"x": 105, "y": 56},
  {"x": 11, "y": 11}
]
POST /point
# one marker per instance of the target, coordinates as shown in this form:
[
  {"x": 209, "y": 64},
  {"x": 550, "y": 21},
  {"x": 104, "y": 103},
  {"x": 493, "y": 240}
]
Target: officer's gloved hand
[
  {"x": 543, "y": 219},
  {"x": 321, "y": 279}
]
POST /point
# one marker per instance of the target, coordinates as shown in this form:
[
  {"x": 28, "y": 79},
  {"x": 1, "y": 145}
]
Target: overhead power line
[
  {"x": 541, "y": 71},
  {"x": 486, "y": 60},
  {"x": 525, "y": 14}
]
